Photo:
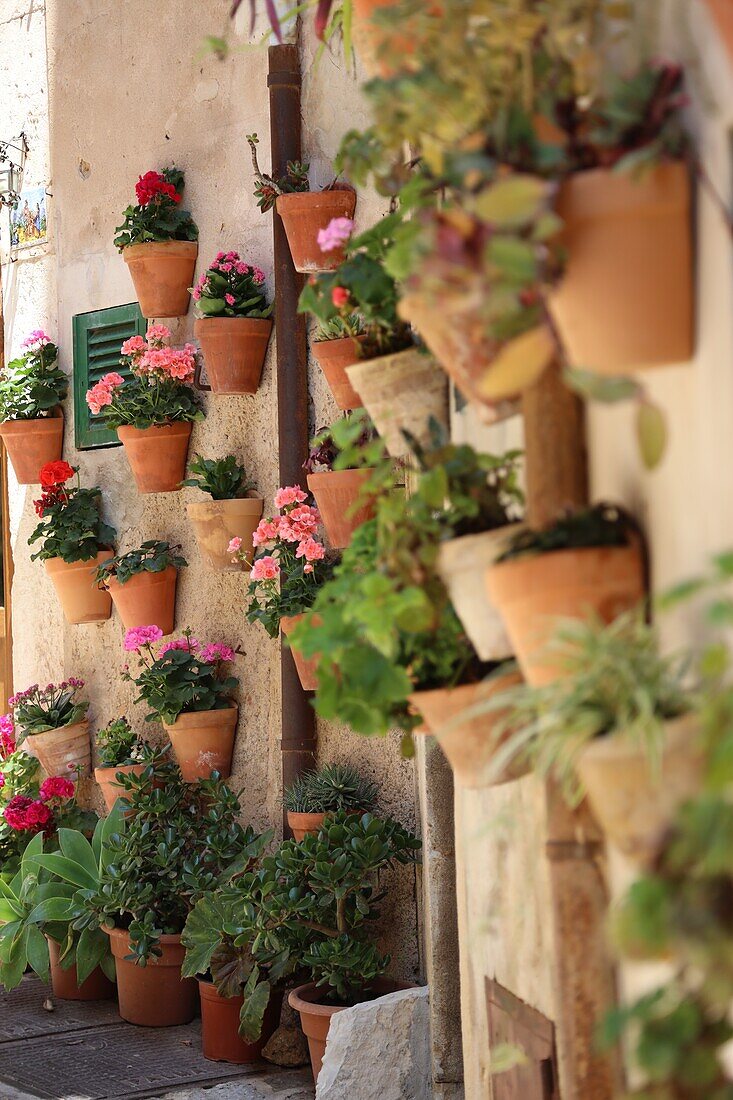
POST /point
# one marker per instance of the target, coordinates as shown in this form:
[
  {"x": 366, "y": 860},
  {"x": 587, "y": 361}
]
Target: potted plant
[
  {"x": 158, "y": 242},
  {"x": 618, "y": 724},
  {"x": 154, "y": 410},
  {"x": 337, "y": 345},
  {"x": 74, "y": 540},
  {"x": 401, "y": 388},
  {"x": 585, "y": 563},
  {"x": 331, "y": 789},
  {"x": 120, "y": 752},
  {"x": 31, "y": 420},
  {"x": 341, "y": 481},
  {"x": 290, "y": 565},
  {"x": 179, "y": 842},
  {"x": 233, "y": 326},
  {"x": 52, "y": 725},
  {"x": 188, "y": 689},
  {"x": 304, "y": 213},
  {"x": 232, "y": 513},
  {"x": 142, "y": 584}
]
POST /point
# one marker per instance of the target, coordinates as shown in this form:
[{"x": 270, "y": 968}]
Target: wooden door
[{"x": 516, "y": 1024}]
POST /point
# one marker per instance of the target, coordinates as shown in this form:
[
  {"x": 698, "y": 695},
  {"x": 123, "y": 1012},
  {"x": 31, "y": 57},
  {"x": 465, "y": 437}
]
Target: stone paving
[{"x": 66, "y": 1050}]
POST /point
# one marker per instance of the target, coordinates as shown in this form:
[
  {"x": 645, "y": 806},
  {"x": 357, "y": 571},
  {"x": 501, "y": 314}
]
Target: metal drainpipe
[{"x": 297, "y": 718}]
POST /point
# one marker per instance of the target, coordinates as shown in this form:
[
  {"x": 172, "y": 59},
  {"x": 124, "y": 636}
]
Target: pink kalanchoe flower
[
  {"x": 267, "y": 530},
  {"x": 336, "y": 233},
  {"x": 141, "y": 636},
  {"x": 235, "y": 544},
  {"x": 221, "y": 255},
  {"x": 258, "y": 275},
  {"x": 290, "y": 494},
  {"x": 265, "y": 569},
  {"x": 38, "y": 336},
  {"x": 56, "y": 787},
  {"x": 216, "y": 651},
  {"x": 311, "y": 550},
  {"x": 229, "y": 299}
]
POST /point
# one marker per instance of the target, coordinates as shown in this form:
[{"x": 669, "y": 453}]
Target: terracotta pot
[
  {"x": 336, "y": 493},
  {"x": 203, "y": 742},
  {"x": 220, "y": 1026},
  {"x": 154, "y": 995},
  {"x": 65, "y": 751},
  {"x": 107, "y": 780},
  {"x": 217, "y": 522},
  {"x": 635, "y": 803},
  {"x": 147, "y": 599},
  {"x": 333, "y": 357},
  {"x": 315, "y": 1018},
  {"x": 307, "y": 669},
  {"x": 305, "y": 212},
  {"x": 80, "y": 598},
  {"x": 401, "y": 391},
  {"x": 302, "y": 824},
  {"x": 31, "y": 444},
  {"x": 64, "y": 983},
  {"x": 462, "y": 564},
  {"x": 234, "y": 350},
  {"x": 157, "y": 455},
  {"x": 626, "y": 300},
  {"x": 162, "y": 272},
  {"x": 469, "y": 745},
  {"x": 535, "y": 592}
]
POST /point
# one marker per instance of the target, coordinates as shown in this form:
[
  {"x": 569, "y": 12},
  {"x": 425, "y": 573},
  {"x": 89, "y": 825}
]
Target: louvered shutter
[{"x": 98, "y": 337}]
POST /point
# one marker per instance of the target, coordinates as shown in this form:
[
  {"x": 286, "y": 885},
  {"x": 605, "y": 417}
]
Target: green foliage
[
  {"x": 71, "y": 527},
  {"x": 22, "y": 944},
  {"x": 153, "y": 556},
  {"x": 340, "y": 327},
  {"x": 222, "y": 478},
  {"x": 36, "y": 709},
  {"x": 268, "y": 188},
  {"x": 351, "y": 443},
  {"x": 161, "y": 219},
  {"x": 601, "y": 525},
  {"x": 33, "y": 385},
  {"x": 182, "y": 679},
  {"x": 118, "y": 745},
  {"x": 332, "y": 788},
  {"x": 145, "y": 403}
]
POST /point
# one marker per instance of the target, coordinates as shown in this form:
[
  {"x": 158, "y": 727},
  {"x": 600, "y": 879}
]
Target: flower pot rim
[
  {"x": 19, "y": 422},
  {"x": 294, "y": 199},
  {"x": 197, "y": 717},
  {"x": 339, "y": 340},
  {"x": 139, "y": 249},
  {"x": 490, "y": 686},
  {"x": 194, "y": 506},
  {"x": 298, "y": 998},
  {"x": 60, "y": 729},
  {"x": 555, "y": 556},
  {"x": 143, "y": 577},
  {"x": 56, "y": 564},
  {"x": 361, "y": 474},
  {"x": 258, "y": 322},
  {"x": 175, "y": 427},
  {"x": 491, "y": 534},
  {"x": 115, "y": 768}
]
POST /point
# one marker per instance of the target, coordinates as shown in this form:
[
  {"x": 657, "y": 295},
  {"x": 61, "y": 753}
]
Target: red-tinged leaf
[
  {"x": 274, "y": 19},
  {"x": 323, "y": 13}
]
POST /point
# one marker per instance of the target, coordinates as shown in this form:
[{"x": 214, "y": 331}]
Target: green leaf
[
  {"x": 37, "y": 952},
  {"x": 52, "y": 909},
  {"x": 600, "y": 387},
  {"x": 76, "y": 847},
  {"x": 651, "y": 429},
  {"x": 69, "y": 870},
  {"x": 92, "y": 948},
  {"x": 512, "y": 202},
  {"x": 256, "y": 999}
]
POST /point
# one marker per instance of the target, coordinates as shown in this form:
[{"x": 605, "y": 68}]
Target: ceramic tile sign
[{"x": 28, "y": 221}]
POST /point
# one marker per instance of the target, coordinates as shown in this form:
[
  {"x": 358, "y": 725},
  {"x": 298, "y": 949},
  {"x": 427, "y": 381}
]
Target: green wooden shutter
[{"x": 98, "y": 337}]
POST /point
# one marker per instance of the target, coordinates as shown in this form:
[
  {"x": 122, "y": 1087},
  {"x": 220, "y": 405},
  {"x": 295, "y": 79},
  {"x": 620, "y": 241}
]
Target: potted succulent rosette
[
  {"x": 187, "y": 687},
  {"x": 336, "y": 346},
  {"x": 304, "y": 213},
  {"x": 31, "y": 420},
  {"x": 586, "y": 563},
  {"x": 334, "y": 788},
  {"x": 142, "y": 584},
  {"x": 120, "y": 751},
  {"x": 233, "y": 326},
  {"x": 52, "y": 726},
  {"x": 74, "y": 540},
  {"x": 401, "y": 387},
  {"x": 191, "y": 832},
  {"x": 290, "y": 566},
  {"x": 232, "y": 513},
  {"x": 154, "y": 410},
  {"x": 158, "y": 242}
]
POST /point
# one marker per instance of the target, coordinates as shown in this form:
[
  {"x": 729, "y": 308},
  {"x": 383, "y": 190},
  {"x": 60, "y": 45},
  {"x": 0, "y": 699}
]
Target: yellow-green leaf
[
  {"x": 651, "y": 430},
  {"x": 512, "y": 202},
  {"x": 518, "y": 365}
]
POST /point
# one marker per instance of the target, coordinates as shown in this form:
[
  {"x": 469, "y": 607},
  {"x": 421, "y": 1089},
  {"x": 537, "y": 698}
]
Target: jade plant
[
  {"x": 70, "y": 525},
  {"x": 33, "y": 385},
  {"x": 153, "y": 556},
  {"x": 221, "y": 478},
  {"x": 333, "y": 788}
]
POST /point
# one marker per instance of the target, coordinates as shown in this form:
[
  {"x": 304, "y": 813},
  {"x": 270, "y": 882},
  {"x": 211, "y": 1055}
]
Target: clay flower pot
[
  {"x": 154, "y": 995},
  {"x": 147, "y": 599},
  {"x": 220, "y": 1036},
  {"x": 302, "y": 824},
  {"x": 307, "y": 669},
  {"x": 336, "y": 493},
  {"x": 64, "y": 983},
  {"x": 107, "y": 780},
  {"x": 462, "y": 564},
  {"x": 65, "y": 751},
  {"x": 635, "y": 803},
  {"x": 626, "y": 299},
  {"x": 333, "y": 357},
  {"x": 401, "y": 391},
  {"x": 468, "y": 744},
  {"x": 303, "y": 214},
  {"x": 157, "y": 455},
  {"x": 82, "y": 601},
  {"x": 217, "y": 522},
  {"x": 535, "y": 592},
  {"x": 162, "y": 272},
  {"x": 234, "y": 350},
  {"x": 315, "y": 1018},
  {"x": 31, "y": 444},
  {"x": 203, "y": 742}
]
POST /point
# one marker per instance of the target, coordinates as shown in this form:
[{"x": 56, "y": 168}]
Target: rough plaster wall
[{"x": 127, "y": 94}]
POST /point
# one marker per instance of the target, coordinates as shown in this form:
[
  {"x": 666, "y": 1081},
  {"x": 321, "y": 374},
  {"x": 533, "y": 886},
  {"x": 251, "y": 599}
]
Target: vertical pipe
[{"x": 297, "y": 719}]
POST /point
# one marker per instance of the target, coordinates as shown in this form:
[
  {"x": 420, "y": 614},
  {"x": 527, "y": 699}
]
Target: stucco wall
[{"x": 128, "y": 92}]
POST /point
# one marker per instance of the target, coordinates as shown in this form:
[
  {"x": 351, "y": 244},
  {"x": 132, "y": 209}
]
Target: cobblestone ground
[{"x": 66, "y": 1050}]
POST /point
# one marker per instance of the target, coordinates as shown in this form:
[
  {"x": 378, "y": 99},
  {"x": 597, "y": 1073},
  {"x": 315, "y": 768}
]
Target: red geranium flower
[
  {"x": 55, "y": 473},
  {"x": 339, "y": 296},
  {"x": 151, "y": 185},
  {"x": 56, "y": 787}
]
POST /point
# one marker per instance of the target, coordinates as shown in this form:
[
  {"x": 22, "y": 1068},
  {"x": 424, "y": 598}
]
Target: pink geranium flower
[
  {"x": 133, "y": 346},
  {"x": 291, "y": 494},
  {"x": 267, "y": 530},
  {"x": 141, "y": 636},
  {"x": 38, "y": 336},
  {"x": 235, "y": 544},
  {"x": 215, "y": 651},
  {"x": 265, "y": 569},
  {"x": 336, "y": 234},
  {"x": 311, "y": 550},
  {"x": 158, "y": 333},
  {"x": 190, "y": 644}
]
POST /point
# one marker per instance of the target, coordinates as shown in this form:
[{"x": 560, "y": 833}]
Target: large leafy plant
[
  {"x": 153, "y": 556},
  {"x": 70, "y": 525},
  {"x": 32, "y": 385},
  {"x": 221, "y": 478},
  {"x": 157, "y": 215},
  {"x": 185, "y": 675}
]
